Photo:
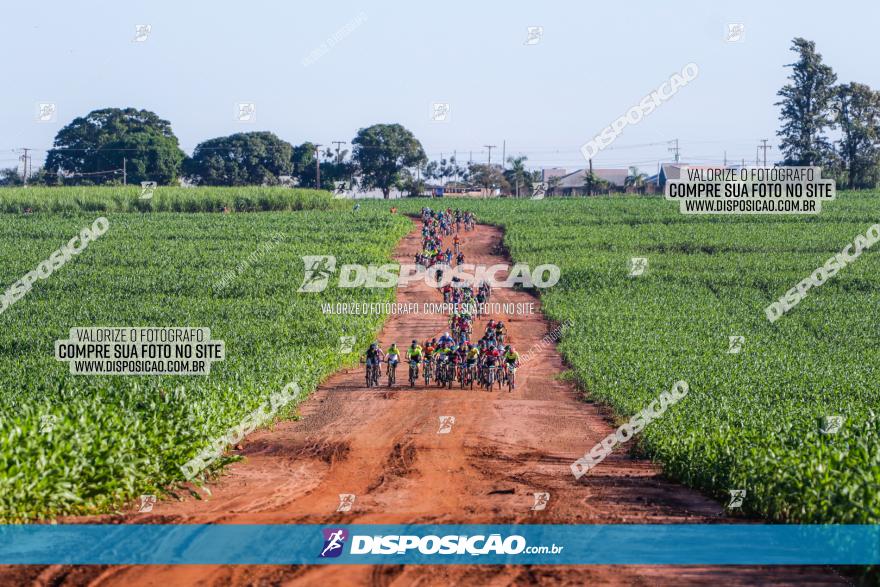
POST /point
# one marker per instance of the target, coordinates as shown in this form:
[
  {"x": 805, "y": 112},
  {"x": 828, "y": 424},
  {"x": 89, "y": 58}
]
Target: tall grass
[{"x": 64, "y": 200}]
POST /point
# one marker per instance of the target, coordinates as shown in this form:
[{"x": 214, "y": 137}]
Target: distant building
[
  {"x": 572, "y": 184},
  {"x": 553, "y": 172}
]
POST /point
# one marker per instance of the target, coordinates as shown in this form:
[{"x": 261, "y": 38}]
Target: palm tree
[
  {"x": 635, "y": 180},
  {"x": 517, "y": 173}
]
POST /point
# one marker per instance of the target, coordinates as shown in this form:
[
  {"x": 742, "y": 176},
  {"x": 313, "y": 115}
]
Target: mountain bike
[
  {"x": 511, "y": 377},
  {"x": 372, "y": 375},
  {"x": 413, "y": 372},
  {"x": 467, "y": 376},
  {"x": 444, "y": 373},
  {"x": 488, "y": 379},
  {"x": 392, "y": 372},
  {"x": 428, "y": 370}
]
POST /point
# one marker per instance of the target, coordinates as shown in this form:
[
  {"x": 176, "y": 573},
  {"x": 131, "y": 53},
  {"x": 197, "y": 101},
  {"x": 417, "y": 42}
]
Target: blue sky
[{"x": 595, "y": 61}]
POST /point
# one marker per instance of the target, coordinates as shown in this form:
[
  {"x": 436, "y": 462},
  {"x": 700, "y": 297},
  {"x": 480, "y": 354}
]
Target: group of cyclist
[{"x": 452, "y": 357}]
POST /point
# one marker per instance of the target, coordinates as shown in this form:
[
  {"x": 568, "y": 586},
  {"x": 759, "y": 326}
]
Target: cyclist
[
  {"x": 392, "y": 357},
  {"x": 473, "y": 354},
  {"x": 500, "y": 331},
  {"x": 511, "y": 357},
  {"x": 441, "y": 357},
  {"x": 490, "y": 336},
  {"x": 374, "y": 356},
  {"x": 458, "y": 356},
  {"x": 414, "y": 353},
  {"x": 490, "y": 357},
  {"x": 446, "y": 290},
  {"x": 443, "y": 340}
]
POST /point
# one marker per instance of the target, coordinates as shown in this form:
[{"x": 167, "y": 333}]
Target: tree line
[
  {"x": 835, "y": 126},
  {"x": 112, "y": 145}
]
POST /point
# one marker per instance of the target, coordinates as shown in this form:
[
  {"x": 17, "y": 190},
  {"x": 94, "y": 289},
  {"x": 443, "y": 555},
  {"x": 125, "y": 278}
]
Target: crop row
[
  {"x": 83, "y": 444},
  {"x": 753, "y": 420}
]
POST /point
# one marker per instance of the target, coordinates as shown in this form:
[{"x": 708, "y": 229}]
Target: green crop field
[
  {"x": 111, "y": 438},
  {"x": 751, "y": 420}
]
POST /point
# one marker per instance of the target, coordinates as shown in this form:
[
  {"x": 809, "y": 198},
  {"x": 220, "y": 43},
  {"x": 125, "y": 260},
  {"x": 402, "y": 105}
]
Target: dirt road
[{"x": 383, "y": 446}]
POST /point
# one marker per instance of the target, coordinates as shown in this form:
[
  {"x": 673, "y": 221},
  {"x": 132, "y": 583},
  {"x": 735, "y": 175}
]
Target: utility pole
[
  {"x": 470, "y": 157},
  {"x": 725, "y": 158},
  {"x": 124, "y": 173},
  {"x": 318, "y": 165},
  {"x": 765, "y": 147},
  {"x": 338, "y": 144},
  {"x": 503, "y": 153},
  {"x": 590, "y": 190},
  {"x": 25, "y": 158},
  {"x": 675, "y": 149},
  {"x": 490, "y": 147}
]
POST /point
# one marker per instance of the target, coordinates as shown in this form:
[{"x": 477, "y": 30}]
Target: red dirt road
[{"x": 383, "y": 446}]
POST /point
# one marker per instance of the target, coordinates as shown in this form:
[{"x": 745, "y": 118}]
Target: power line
[
  {"x": 318, "y": 165},
  {"x": 25, "y": 157},
  {"x": 765, "y": 147},
  {"x": 675, "y": 149},
  {"x": 490, "y": 147},
  {"x": 338, "y": 144}
]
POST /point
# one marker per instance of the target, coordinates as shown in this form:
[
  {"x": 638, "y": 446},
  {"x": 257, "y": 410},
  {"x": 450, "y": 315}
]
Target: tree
[
  {"x": 517, "y": 174},
  {"x": 252, "y": 158},
  {"x": 10, "y": 177},
  {"x": 806, "y": 107},
  {"x": 303, "y": 164},
  {"x": 488, "y": 177},
  {"x": 410, "y": 184},
  {"x": 857, "y": 113},
  {"x": 90, "y": 150},
  {"x": 635, "y": 180},
  {"x": 593, "y": 183},
  {"x": 382, "y": 152},
  {"x": 431, "y": 171}
]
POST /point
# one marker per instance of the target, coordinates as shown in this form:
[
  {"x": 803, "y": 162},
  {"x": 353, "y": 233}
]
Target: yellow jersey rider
[
  {"x": 393, "y": 355},
  {"x": 511, "y": 357},
  {"x": 415, "y": 352}
]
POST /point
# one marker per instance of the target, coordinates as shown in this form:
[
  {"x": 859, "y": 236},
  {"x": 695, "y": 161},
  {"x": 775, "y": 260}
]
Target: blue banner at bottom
[{"x": 678, "y": 544}]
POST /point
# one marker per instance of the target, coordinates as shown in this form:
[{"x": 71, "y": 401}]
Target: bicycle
[
  {"x": 372, "y": 375},
  {"x": 391, "y": 371},
  {"x": 488, "y": 379},
  {"x": 467, "y": 376},
  {"x": 428, "y": 370},
  {"x": 444, "y": 375},
  {"x": 511, "y": 377},
  {"x": 413, "y": 372}
]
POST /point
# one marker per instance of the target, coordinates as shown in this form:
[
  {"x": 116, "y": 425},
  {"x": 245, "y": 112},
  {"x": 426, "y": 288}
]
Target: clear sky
[{"x": 391, "y": 61}]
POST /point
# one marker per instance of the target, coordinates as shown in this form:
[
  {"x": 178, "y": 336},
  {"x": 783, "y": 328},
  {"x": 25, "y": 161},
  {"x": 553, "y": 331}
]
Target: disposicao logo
[
  {"x": 334, "y": 541},
  {"x": 319, "y": 269}
]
